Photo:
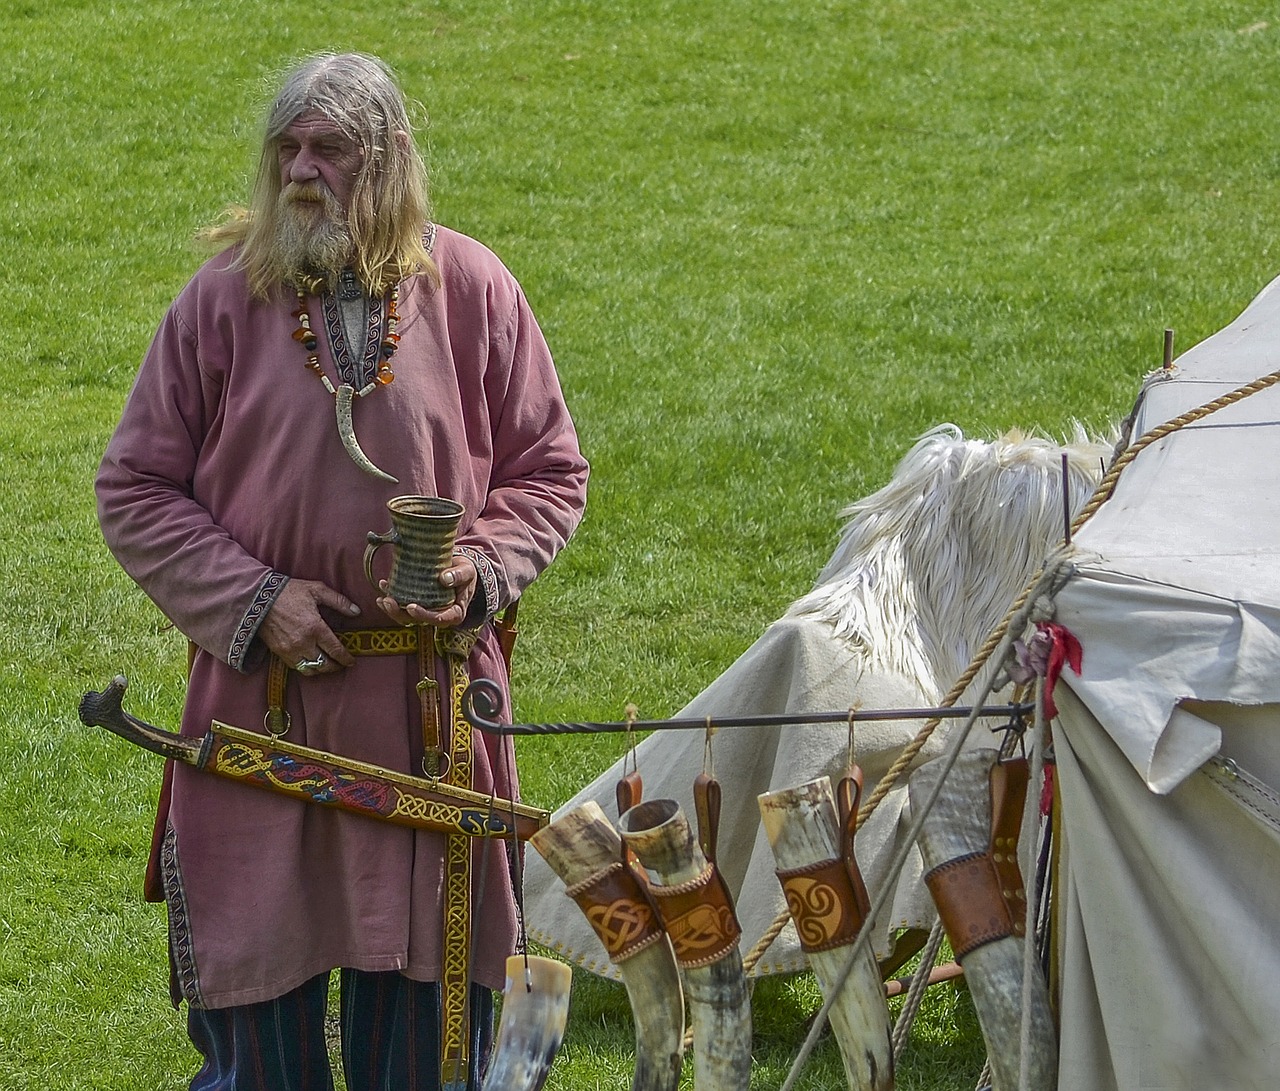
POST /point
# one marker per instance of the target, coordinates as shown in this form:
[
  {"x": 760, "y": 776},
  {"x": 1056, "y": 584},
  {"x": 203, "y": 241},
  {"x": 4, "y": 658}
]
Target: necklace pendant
[
  {"x": 348, "y": 289},
  {"x": 347, "y": 433}
]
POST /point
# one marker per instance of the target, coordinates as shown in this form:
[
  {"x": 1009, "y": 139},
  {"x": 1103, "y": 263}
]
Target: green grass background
[{"x": 769, "y": 243}]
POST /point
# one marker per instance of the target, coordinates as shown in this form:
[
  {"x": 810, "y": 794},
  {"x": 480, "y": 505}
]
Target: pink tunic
[{"x": 225, "y": 477}]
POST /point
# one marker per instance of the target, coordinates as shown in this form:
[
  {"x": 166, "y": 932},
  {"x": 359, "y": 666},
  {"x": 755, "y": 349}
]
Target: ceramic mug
[{"x": 422, "y": 532}]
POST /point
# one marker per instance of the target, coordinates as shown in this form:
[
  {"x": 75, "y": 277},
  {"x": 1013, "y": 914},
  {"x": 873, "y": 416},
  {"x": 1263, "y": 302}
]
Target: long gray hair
[{"x": 389, "y": 208}]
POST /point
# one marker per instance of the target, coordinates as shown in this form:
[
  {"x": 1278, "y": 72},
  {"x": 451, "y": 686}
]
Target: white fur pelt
[
  {"x": 925, "y": 569},
  {"x": 927, "y": 566}
]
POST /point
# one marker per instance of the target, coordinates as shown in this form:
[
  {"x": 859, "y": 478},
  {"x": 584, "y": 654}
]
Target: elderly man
[{"x": 236, "y": 493}]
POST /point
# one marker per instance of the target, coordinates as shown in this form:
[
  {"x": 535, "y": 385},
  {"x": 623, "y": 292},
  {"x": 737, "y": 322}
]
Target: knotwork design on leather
[
  {"x": 455, "y": 645},
  {"x": 823, "y": 904},
  {"x": 617, "y": 906},
  {"x": 699, "y": 917},
  {"x": 402, "y": 640}
]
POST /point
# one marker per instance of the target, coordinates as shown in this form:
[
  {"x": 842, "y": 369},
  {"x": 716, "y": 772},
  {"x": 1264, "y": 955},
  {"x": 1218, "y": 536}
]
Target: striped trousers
[{"x": 390, "y": 1030}]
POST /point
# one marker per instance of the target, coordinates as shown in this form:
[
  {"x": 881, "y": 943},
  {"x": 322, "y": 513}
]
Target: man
[{"x": 236, "y": 493}]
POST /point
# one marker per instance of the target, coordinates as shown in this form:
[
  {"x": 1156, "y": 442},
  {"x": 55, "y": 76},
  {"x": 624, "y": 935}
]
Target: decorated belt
[{"x": 397, "y": 640}]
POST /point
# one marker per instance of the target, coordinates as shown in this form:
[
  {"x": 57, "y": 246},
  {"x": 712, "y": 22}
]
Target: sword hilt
[{"x": 106, "y": 709}]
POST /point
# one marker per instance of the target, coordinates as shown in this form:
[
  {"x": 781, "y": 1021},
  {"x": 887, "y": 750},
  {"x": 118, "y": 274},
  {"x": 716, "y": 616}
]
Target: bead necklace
[
  {"x": 306, "y": 337},
  {"x": 344, "y": 394}
]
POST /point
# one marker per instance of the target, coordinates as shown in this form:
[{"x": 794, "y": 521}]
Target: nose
[{"x": 303, "y": 167}]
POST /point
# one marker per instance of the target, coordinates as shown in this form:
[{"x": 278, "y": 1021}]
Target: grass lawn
[{"x": 769, "y": 244}]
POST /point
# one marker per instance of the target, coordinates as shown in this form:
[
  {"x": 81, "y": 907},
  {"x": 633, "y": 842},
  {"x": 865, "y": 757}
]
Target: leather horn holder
[
  {"x": 616, "y": 904},
  {"x": 699, "y": 917},
  {"x": 980, "y": 897}
]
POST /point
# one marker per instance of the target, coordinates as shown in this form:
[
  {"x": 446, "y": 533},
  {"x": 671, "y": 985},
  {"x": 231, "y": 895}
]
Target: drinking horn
[
  {"x": 535, "y": 1007},
  {"x": 697, "y": 912},
  {"x": 584, "y": 849},
  {"x": 969, "y": 842},
  {"x": 813, "y": 848}
]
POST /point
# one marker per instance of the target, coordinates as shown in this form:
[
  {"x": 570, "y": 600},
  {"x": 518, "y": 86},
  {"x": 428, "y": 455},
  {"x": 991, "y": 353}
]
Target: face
[{"x": 315, "y": 153}]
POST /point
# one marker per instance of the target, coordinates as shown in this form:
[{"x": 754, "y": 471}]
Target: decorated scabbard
[{"x": 318, "y": 777}]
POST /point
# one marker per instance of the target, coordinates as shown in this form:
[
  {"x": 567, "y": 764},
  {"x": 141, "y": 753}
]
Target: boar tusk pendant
[{"x": 347, "y": 433}]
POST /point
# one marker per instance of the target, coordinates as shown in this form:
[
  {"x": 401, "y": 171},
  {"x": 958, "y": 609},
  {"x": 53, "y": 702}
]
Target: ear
[{"x": 402, "y": 138}]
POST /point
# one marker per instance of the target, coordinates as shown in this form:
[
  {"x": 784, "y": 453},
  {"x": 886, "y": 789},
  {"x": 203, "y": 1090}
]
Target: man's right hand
[{"x": 295, "y": 630}]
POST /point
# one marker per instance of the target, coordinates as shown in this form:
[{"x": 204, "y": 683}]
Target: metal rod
[
  {"x": 1168, "y": 349},
  {"x": 482, "y": 704}
]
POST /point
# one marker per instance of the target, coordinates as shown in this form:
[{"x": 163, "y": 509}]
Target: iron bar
[{"x": 482, "y": 704}]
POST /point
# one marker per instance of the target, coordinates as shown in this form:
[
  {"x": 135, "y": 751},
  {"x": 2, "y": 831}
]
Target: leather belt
[{"x": 398, "y": 640}]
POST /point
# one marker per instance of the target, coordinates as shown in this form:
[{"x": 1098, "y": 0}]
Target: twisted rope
[{"x": 915, "y": 995}]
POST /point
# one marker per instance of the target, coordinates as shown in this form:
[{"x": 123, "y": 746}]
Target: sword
[{"x": 318, "y": 777}]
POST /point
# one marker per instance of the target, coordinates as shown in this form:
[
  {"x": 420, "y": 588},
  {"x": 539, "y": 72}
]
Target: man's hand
[
  {"x": 460, "y": 575},
  {"x": 295, "y": 630}
]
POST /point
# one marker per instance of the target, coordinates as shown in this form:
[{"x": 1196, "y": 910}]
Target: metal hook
[
  {"x": 1015, "y": 731},
  {"x": 482, "y": 703}
]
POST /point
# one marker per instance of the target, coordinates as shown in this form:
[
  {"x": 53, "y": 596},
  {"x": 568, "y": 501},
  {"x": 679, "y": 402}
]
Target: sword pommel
[{"x": 106, "y": 709}]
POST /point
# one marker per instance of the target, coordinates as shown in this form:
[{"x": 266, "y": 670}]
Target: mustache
[{"x": 315, "y": 193}]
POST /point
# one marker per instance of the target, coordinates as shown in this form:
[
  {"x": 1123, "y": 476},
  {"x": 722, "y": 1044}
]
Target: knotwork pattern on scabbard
[
  {"x": 617, "y": 907},
  {"x": 699, "y": 917},
  {"x": 823, "y": 904}
]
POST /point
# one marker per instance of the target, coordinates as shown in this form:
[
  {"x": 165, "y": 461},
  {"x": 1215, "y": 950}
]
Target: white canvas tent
[{"x": 1168, "y": 744}]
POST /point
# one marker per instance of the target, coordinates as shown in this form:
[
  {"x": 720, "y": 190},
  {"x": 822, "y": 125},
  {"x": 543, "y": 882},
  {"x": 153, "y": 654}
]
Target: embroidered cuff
[
  {"x": 241, "y": 655},
  {"x": 484, "y": 603}
]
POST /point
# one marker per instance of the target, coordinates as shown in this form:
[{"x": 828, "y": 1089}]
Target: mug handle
[{"x": 377, "y": 541}]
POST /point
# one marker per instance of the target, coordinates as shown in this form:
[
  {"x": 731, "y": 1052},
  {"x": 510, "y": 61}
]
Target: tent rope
[{"x": 915, "y": 994}]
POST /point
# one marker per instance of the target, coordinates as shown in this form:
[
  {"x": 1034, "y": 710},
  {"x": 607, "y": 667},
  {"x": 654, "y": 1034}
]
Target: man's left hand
[{"x": 460, "y": 575}]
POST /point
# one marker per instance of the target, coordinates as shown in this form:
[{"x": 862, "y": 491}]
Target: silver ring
[{"x": 310, "y": 666}]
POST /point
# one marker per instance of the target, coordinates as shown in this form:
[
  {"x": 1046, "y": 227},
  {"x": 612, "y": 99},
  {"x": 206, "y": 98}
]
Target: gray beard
[{"x": 311, "y": 244}]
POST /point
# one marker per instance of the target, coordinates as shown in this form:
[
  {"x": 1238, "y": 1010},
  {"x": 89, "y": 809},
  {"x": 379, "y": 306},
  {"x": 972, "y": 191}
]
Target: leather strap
[
  {"x": 628, "y": 791},
  {"x": 617, "y": 905},
  {"x": 699, "y": 918},
  {"x": 505, "y": 626},
  {"x": 434, "y": 762},
  {"x": 395, "y": 640},
  {"x": 455, "y": 646},
  {"x": 848, "y": 795},
  {"x": 1008, "y": 797},
  {"x": 706, "y": 805}
]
